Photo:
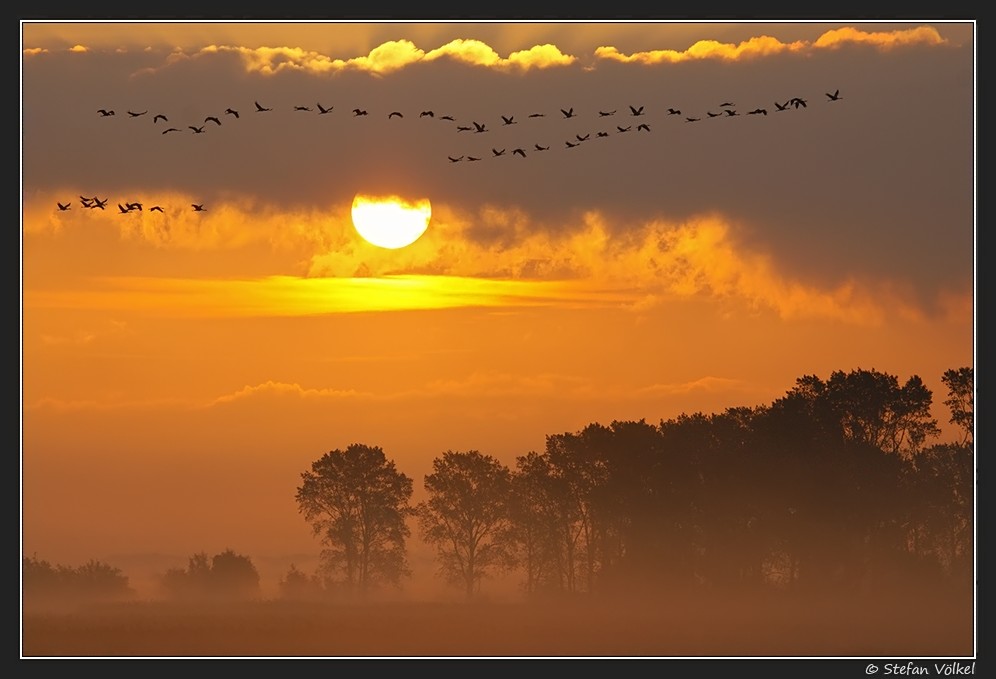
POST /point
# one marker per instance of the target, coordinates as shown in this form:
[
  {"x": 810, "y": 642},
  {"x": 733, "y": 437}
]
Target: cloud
[{"x": 763, "y": 46}]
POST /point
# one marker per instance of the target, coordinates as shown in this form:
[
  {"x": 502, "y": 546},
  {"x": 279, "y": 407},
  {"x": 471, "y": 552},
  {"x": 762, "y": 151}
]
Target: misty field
[{"x": 930, "y": 625}]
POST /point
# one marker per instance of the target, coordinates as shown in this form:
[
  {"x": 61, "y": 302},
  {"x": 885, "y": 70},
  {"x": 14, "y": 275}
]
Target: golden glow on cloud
[
  {"x": 767, "y": 46},
  {"x": 459, "y": 262}
]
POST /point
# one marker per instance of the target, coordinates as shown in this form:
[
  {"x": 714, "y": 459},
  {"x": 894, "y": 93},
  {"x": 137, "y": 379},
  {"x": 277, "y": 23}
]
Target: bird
[
  {"x": 63, "y": 207},
  {"x": 536, "y": 115},
  {"x": 541, "y": 148},
  {"x": 198, "y": 208},
  {"x": 445, "y": 117},
  {"x": 393, "y": 114},
  {"x": 463, "y": 128},
  {"x": 606, "y": 113},
  {"x": 104, "y": 112},
  {"x": 86, "y": 202},
  {"x": 673, "y": 112},
  {"x": 519, "y": 152},
  {"x": 835, "y": 96},
  {"x": 623, "y": 129},
  {"x": 713, "y": 115},
  {"x": 455, "y": 160},
  {"x": 159, "y": 116},
  {"x": 97, "y": 202},
  {"x": 570, "y": 145},
  {"x": 213, "y": 119},
  {"x": 359, "y": 112},
  {"x": 601, "y": 134},
  {"x": 762, "y": 111},
  {"x": 423, "y": 114},
  {"x": 472, "y": 158},
  {"x": 197, "y": 130},
  {"x": 782, "y": 107},
  {"x": 727, "y": 103},
  {"x": 480, "y": 127},
  {"x": 497, "y": 152},
  {"x": 302, "y": 108},
  {"x": 171, "y": 129},
  {"x": 584, "y": 138},
  {"x": 797, "y": 102},
  {"x": 124, "y": 210},
  {"x": 135, "y": 115},
  {"x": 260, "y": 108},
  {"x": 731, "y": 112},
  {"x": 322, "y": 109},
  {"x": 636, "y": 111},
  {"x": 231, "y": 112},
  {"x": 692, "y": 120},
  {"x": 509, "y": 120},
  {"x": 155, "y": 208},
  {"x": 134, "y": 206},
  {"x": 643, "y": 126},
  {"x": 569, "y": 113}
]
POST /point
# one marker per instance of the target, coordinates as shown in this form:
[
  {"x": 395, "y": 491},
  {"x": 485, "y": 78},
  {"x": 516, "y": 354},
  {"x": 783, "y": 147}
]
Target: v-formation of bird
[
  {"x": 725, "y": 110},
  {"x": 95, "y": 203}
]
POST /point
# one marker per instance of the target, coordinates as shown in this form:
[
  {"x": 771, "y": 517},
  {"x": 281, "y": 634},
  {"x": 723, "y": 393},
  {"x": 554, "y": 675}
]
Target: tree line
[{"x": 834, "y": 487}]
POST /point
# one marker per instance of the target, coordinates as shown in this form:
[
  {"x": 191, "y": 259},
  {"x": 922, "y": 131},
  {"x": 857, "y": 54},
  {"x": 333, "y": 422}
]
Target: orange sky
[{"x": 181, "y": 369}]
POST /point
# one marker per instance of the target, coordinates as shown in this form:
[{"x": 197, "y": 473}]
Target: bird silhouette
[
  {"x": 86, "y": 202},
  {"x": 63, "y": 207},
  {"x": 123, "y": 209},
  {"x": 392, "y": 114},
  {"x": 727, "y": 103},
  {"x": 636, "y": 111},
  {"x": 601, "y": 134},
  {"x": 302, "y": 108},
  {"x": 731, "y": 112},
  {"x": 497, "y": 152},
  {"x": 445, "y": 117},
  {"x": 260, "y": 108},
  {"x": 570, "y": 145},
  {"x": 480, "y": 127},
  {"x": 135, "y": 115},
  {"x": 673, "y": 112},
  {"x": 158, "y": 117},
  {"x": 508, "y": 120},
  {"x": 98, "y": 203},
  {"x": 606, "y": 113},
  {"x": 213, "y": 119},
  {"x": 835, "y": 96},
  {"x": 713, "y": 115},
  {"x": 782, "y": 107},
  {"x": 134, "y": 206},
  {"x": 623, "y": 129},
  {"x": 104, "y": 112},
  {"x": 231, "y": 112},
  {"x": 171, "y": 129},
  {"x": 569, "y": 113},
  {"x": 423, "y": 114},
  {"x": 197, "y": 130},
  {"x": 541, "y": 148},
  {"x": 198, "y": 208},
  {"x": 519, "y": 152},
  {"x": 463, "y": 128},
  {"x": 761, "y": 111},
  {"x": 643, "y": 126},
  {"x": 797, "y": 102},
  {"x": 359, "y": 112},
  {"x": 322, "y": 109},
  {"x": 455, "y": 160},
  {"x": 536, "y": 115},
  {"x": 155, "y": 208},
  {"x": 472, "y": 158},
  {"x": 584, "y": 138},
  {"x": 692, "y": 120}
]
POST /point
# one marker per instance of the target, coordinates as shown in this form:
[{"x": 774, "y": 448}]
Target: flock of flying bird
[{"x": 725, "y": 110}]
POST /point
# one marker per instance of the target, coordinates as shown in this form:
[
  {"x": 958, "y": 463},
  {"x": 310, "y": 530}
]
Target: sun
[{"x": 389, "y": 221}]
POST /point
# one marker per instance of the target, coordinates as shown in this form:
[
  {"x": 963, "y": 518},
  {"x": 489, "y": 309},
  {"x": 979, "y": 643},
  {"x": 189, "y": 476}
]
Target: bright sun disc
[{"x": 390, "y": 222}]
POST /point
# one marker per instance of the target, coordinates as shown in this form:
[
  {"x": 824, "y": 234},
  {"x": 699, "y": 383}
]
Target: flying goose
[
  {"x": 322, "y": 109},
  {"x": 63, "y": 207},
  {"x": 213, "y": 119},
  {"x": 231, "y": 112},
  {"x": 158, "y": 117},
  {"x": 198, "y": 208},
  {"x": 104, "y": 112},
  {"x": 260, "y": 108},
  {"x": 135, "y": 115},
  {"x": 835, "y": 96}
]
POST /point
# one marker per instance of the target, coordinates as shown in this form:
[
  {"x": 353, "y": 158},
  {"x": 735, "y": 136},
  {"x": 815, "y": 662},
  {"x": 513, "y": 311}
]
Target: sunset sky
[{"x": 182, "y": 368}]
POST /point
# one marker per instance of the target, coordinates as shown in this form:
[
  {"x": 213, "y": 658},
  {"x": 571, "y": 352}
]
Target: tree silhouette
[
  {"x": 961, "y": 399},
  {"x": 357, "y": 501},
  {"x": 46, "y": 584},
  {"x": 226, "y": 576},
  {"x": 466, "y": 517}
]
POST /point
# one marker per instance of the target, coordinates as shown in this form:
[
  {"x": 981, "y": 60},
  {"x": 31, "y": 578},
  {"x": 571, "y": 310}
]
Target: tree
[
  {"x": 357, "y": 501},
  {"x": 228, "y": 576},
  {"x": 467, "y": 516},
  {"x": 961, "y": 390},
  {"x": 297, "y": 585}
]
